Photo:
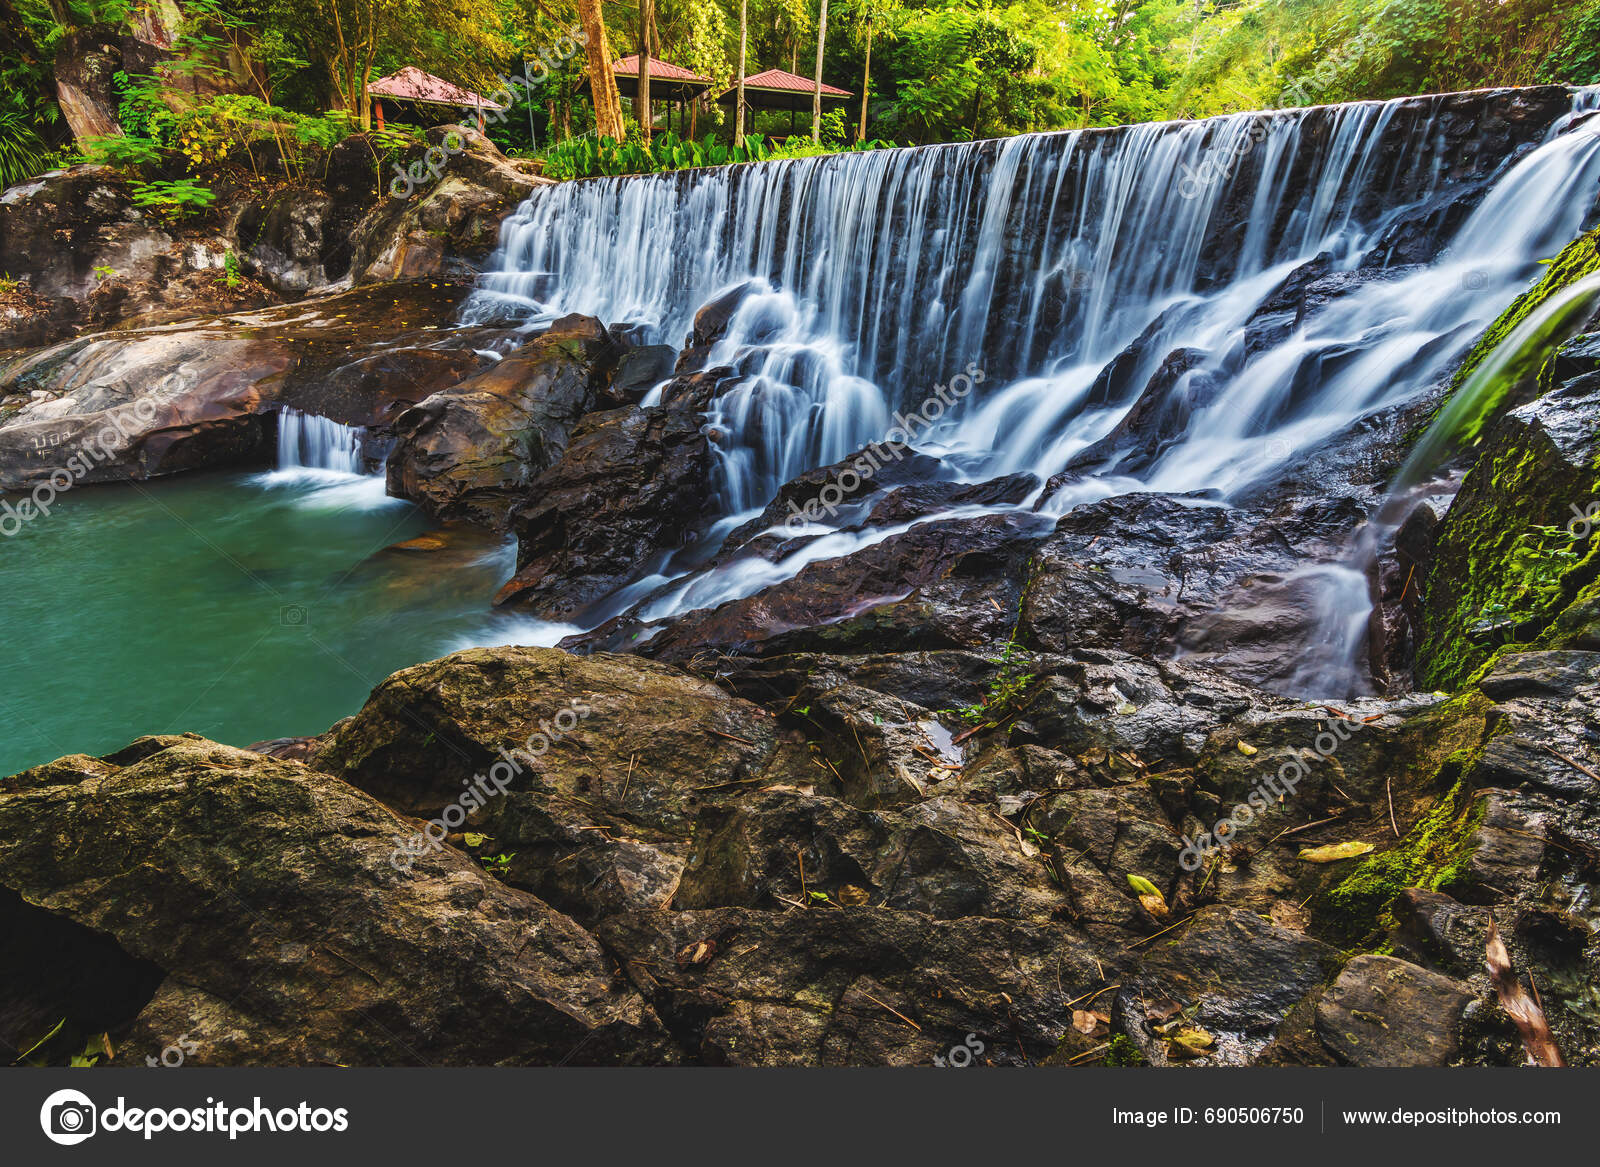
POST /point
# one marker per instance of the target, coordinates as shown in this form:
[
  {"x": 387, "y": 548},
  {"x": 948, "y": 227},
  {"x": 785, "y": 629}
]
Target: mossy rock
[
  {"x": 1515, "y": 549},
  {"x": 1433, "y": 856}
]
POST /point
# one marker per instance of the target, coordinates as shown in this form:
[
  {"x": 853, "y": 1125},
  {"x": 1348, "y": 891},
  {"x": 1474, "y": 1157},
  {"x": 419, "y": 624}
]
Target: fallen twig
[
  {"x": 891, "y": 1009},
  {"x": 1576, "y": 765}
]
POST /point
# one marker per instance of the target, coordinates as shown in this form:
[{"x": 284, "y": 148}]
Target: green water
[{"x": 238, "y": 606}]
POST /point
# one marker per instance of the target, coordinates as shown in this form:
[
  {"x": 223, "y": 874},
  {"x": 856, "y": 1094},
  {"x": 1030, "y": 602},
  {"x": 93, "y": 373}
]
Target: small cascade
[
  {"x": 322, "y": 466},
  {"x": 307, "y": 441}
]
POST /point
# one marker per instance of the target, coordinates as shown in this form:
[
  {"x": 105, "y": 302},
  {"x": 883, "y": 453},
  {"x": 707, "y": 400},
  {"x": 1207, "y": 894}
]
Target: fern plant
[{"x": 23, "y": 153}]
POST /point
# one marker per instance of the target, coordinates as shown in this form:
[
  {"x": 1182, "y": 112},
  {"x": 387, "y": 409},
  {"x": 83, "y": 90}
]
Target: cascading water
[
  {"x": 1040, "y": 260},
  {"x": 324, "y": 463},
  {"x": 309, "y": 442}
]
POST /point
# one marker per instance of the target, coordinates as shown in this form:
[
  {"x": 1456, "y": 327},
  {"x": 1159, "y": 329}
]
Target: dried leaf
[
  {"x": 1334, "y": 852},
  {"x": 1089, "y": 1024},
  {"x": 1525, "y": 1013},
  {"x": 1161, "y": 1011},
  {"x": 852, "y": 896},
  {"x": 697, "y": 953},
  {"x": 1247, "y": 749},
  {"x": 1155, "y": 905}
]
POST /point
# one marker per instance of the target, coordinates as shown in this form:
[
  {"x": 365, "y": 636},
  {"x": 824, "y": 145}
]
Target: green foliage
[
  {"x": 588, "y": 157},
  {"x": 174, "y": 199},
  {"x": 231, "y": 276},
  {"x": 1302, "y": 52},
  {"x": 1575, "y": 58},
  {"x": 22, "y": 152},
  {"x": 1007, "y": 691},
  {"x": 1434, "y": 857}
]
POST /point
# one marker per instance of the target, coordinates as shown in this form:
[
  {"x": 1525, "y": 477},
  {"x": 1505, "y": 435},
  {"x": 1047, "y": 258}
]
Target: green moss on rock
[
  {"x": 1433, "y": 857},
  {"x": 1579, "y": 258}
]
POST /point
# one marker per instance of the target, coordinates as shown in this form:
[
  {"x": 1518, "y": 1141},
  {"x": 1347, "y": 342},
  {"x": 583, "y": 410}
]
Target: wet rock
[
  {"x": 1386, "y": 1012},
  {"x": 1151, "y": 574},
  {"x": 142, "y": 404},
  {"x": 631, "y": 486},
  {"x": 470, "y": 451},
  {"x": 1238, "y": 975},
  {"x": 712, "y": 319},
  {"x": 1491, "y": 580},
  {"x": 226, "y": 869},
  {"x": 639, "y": 370},
  {"x": 951, "y": 583},
  {"x": 855, "y": 985},
  {"x": 640, "y": 739},
  {"x": 1435, "y": 929}
]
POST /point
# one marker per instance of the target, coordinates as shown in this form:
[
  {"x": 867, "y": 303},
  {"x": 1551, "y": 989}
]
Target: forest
[{"x": 951, "y": 70}]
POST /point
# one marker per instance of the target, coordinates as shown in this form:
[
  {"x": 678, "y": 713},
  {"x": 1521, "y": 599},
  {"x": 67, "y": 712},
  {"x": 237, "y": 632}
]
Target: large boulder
[
  {"x": 266, "y": 893},
  {"x": 443, "y": 207},
  {"x": 88, "y": 256},
  {"x": 1508, "y": 559},
  {"x": 632, "y": 487},
  {"x": 471, "y": 451}
]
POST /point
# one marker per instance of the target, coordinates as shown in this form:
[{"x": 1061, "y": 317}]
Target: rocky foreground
[
  {"x": 1000, "y": 788},
  {"x": 821, "y": 854}
]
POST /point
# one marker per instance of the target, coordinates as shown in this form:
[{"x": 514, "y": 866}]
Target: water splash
[{"x": 322, "y": 461}]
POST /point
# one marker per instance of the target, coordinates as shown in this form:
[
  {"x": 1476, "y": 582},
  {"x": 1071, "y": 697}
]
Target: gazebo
[
  {"x": 777, "y": 89},
  {"x": 411, "y": 91},
  {"x": 668, "y": 82}
]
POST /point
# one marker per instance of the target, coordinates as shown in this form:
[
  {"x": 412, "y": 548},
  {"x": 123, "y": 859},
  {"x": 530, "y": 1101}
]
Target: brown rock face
[
  {"x": 471, "y": 451},
  {"x": 1387, "y": 1012},
  {"x": 259, "y": 862},
  {"x": 142, "y": 404},
  {"x": 633, "y": 484}
]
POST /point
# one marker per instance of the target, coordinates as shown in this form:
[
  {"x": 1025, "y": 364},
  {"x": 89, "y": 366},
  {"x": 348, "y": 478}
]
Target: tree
[
  {"x": 816, "y": 93},
  {"x": 869, "y": 19},
  {"x": 602, "y": 81},
  {"x": 641, "y": 106},
  {"x": 744, "y": 37}
]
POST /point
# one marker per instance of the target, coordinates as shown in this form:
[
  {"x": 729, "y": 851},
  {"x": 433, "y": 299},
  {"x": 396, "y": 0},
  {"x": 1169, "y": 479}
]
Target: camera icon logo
[
  {"x": 1475, "y": 280},
  {"x": 292, "y": 616},
  {"x": 68, "y": 1117}
]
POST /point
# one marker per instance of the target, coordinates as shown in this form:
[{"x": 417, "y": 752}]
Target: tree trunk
[
  {"x": 816, "y": 94},
  {"x": 641, "y": 104},
  {"x": 84, "y": 66},
  {"x": 866, "y": 80},
  {"x": 738, "y": 105},
  {"x": 602, "y": 81}
]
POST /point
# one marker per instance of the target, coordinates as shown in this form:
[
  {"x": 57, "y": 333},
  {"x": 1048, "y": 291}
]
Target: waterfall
[
  {"x": 322, "y": 467},
  {"x": 1275, "y": 253},
  {"x": 307, "y": 441}
]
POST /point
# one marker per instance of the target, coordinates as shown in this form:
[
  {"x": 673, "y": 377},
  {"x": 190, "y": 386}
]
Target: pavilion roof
[{"x": 412, "y": 84}]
